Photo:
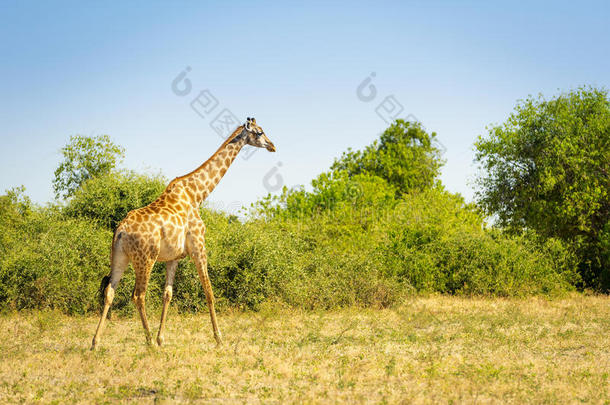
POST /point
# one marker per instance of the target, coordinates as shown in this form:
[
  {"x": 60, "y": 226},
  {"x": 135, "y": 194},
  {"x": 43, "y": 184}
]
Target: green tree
[
  {"x": 405, "y": 156},
  {"x": 85, "y": 157},
  {"x": 404, "y": 159},
  {"x": 548, "y": 169},
  {"x": 107, "y": 198}
]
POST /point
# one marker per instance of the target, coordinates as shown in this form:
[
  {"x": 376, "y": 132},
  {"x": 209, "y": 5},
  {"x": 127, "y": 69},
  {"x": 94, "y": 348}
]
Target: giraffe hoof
[
  {"x": 160, "y": 340},
  {"x": 93, "y": 345}
]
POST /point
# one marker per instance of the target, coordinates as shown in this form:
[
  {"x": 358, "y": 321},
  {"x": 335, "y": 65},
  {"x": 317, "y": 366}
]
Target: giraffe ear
[{"x": 247, "y": 126}]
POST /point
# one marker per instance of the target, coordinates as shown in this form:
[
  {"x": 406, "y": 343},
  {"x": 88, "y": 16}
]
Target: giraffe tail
[
  {"x": 116, "y": 246},
  {"x": 103, "y": 285}
]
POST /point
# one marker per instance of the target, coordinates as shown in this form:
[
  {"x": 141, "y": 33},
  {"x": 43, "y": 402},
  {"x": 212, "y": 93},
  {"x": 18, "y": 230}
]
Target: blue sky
[{"x": 107, "y": 68}]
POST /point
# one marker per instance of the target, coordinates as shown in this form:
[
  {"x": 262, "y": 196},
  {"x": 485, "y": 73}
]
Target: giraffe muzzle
[{"x": 270, "y": 147}]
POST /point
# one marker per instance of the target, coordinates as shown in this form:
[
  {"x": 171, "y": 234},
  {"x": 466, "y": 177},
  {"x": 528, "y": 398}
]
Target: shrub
[
  {"x": 437, "y": 243},
  {"x": 108, "y": 198},
  {"x": 336, "y": 191},
  {"x": 52, "y": 262},
  {"x": 364, "y": 235}
]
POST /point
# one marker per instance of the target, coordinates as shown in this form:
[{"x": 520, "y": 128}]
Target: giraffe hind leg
[
  {"x": 170, "y": 272},
  {"x": 142, "y": 269},
  {"x": 120, "y": 261}
]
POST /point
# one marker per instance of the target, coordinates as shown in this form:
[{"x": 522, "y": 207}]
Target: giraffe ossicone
[{"x": 170, "y": 228}]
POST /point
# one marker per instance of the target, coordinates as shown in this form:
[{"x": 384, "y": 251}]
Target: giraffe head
[{"x": 255, "y": 135}]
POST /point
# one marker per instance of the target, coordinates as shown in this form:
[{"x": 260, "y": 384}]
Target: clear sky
[{"x": 107, "y": 68}]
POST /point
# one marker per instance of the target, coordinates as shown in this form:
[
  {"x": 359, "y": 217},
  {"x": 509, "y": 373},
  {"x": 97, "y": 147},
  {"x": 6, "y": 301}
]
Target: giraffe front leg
[
  {"x": 170, "y": 272},
  {"x": 199, "y": 256},
  {"x": 202, "y": 269}
]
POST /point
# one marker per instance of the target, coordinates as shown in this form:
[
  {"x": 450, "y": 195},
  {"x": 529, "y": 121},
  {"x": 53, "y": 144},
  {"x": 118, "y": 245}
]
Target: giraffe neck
[{"x": 204, "y": 179}]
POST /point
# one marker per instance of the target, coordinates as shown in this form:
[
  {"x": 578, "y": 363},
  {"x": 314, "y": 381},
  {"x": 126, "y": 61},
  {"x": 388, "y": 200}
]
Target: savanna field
[
  {"x": 395, "y": 202},
  {"x": 374, "y": 285},
  {"x": 426, "y": 350}
]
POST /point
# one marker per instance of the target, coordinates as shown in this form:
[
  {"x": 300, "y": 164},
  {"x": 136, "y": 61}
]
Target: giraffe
[{"x": 170, "y": 228}]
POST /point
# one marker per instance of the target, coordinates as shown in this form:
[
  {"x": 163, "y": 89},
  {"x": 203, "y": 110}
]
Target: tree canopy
[
  {"x": 107, "y": 198},
  {"x": 547, "y": 168},
  {"x": 404, "y": 159},
  {"x": 85, "y": 157},
  {"x": 405, "y": 156}
]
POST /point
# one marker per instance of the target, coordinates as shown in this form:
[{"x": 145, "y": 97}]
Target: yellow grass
[{"x": 436, "y": 349}]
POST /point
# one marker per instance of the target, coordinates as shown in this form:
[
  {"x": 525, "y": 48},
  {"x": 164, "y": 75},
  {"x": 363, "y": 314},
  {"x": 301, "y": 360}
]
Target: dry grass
[{"x": 437, "y": 349}]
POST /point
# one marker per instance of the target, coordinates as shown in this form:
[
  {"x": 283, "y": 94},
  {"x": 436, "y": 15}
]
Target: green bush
[
  {"x": 53, "y": 262},
  {"x": 356, "y": 239},
  {"x": 485, "y": 263},
  {"x": 429, "y": 241},
  {"x": 439, "y": 244},
  {"x": 108, "y": 198}
]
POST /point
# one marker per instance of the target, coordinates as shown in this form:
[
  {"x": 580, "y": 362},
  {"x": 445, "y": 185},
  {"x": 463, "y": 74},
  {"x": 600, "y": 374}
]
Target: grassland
[{"x": 429, "y": 350}]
